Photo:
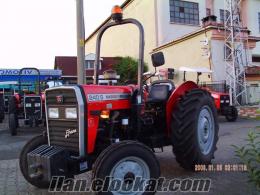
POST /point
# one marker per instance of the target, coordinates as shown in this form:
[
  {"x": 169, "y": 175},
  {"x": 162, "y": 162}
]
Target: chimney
[{"x": 209, "y": 20}]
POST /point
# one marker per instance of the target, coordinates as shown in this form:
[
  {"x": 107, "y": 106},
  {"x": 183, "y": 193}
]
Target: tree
[{"x": 127, "y": 68}]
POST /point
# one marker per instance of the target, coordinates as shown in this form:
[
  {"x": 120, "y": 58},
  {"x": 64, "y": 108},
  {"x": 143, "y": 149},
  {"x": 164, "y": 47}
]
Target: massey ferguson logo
[
  {"x": 59, "y": 99},
  {"x": 70, "y": 132}
]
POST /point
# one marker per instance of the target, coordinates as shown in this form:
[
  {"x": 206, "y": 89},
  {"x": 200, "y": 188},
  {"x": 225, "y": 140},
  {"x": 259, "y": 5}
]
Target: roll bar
[
  {"x": 141, "y": 50},
  {"x": 20, "y": 74}
]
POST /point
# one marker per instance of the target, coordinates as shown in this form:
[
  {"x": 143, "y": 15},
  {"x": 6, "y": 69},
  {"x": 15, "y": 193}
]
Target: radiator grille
[
  {"x": 59, "y": 127},
  {"x": 33, "y": 106}
]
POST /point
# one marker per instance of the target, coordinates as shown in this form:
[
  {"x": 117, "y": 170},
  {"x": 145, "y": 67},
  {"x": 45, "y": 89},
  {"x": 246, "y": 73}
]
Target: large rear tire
[
  {"x": 12, "y": 119},
  {"x": 30, "y": 146},
  {"x": 125, "y": 161},
  {"x": 194, "y": 128}
]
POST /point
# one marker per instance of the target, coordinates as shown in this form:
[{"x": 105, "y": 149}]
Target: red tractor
[
  {"x": 114, "y": 130},
  {"x": 26, "y": 104},
  {"x": 218, "y": 91},
  {"x": 222, "y": 102}
]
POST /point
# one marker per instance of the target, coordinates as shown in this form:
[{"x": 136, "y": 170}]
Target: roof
[
  {"x": 212, "y": 26},
  {"x": 124, "y": 5},
  {"x": 68, "y": 65},
  {"x": 185, "y": 37}
]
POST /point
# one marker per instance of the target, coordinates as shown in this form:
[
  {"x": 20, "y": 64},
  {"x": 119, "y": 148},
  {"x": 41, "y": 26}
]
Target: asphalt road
[
  {"x": 223, "y": 182},
  {"x": 10, "y": 146}
]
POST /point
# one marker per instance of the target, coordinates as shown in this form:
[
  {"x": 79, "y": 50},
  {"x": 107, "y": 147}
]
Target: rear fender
[
  {"x": 216, "y": 100},
  {"x": 174, "y": 98}
]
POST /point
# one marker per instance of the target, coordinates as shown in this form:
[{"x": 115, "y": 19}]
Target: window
[
  {"x": 259, "y": 21},
  {"x": 184, "y": 12},
  {"x": 89, "y": 64},
  {"x": 224, "y": 14},
  {"x": 208, "y": 12}
]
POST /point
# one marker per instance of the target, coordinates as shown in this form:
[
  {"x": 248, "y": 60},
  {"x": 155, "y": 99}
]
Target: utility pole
[{"x": 80, "y": 43}]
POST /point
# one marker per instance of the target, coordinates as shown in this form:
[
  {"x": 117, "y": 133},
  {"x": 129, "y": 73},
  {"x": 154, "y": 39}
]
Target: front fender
[{"x": 174, "y": 98}]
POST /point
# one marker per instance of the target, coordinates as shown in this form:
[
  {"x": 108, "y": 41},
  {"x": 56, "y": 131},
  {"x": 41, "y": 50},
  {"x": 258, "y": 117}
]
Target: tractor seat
[{"x": 158, "y": 93}]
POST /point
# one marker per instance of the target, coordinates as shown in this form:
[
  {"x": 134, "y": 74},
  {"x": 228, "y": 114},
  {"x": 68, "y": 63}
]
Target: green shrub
[
  {"x": 249, "y": 154},
  {"x": 127, "y": 68}
]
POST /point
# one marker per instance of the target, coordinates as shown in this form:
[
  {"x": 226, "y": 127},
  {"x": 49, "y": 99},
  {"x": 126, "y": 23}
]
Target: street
[{"x": 223, "y": 182}]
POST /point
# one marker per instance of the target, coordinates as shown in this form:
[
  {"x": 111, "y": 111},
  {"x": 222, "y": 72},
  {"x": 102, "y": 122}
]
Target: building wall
[
  {"x": 253, "y": 23},
  {"x": 168, "y": 31},
  {"x": 155, "y": 17},
  {"x": 218, "y": 4},
  {"x": 217, "y": 60},
  {"x": 182, "y": 54},
  {"x": 250, "y": 10},
  {"x": 124, "y": 40}
]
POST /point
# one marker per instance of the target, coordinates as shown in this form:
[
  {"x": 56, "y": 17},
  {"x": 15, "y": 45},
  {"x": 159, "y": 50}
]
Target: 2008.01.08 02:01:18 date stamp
[{"x": 220, "y": 167}]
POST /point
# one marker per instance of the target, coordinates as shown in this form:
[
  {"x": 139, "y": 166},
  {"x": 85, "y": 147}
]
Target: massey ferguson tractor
[
  {"x": 218, "y": 91},
  {"x": 222, "y": 103},
  {"x": 114, "y": 130},
  {"x": 26, "y": 104}
]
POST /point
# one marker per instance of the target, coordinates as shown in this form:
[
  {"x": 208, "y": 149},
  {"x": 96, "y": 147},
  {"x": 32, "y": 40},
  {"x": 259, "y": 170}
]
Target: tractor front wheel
[
  {"x": 30, "y": 146},
  {"x": 194, "y": 129},
  {"x": 128, "y": 162},
  {"x": 232, "y": 114}
]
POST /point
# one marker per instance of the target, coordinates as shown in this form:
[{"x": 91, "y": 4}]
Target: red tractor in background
[
  {"x": 114, "y": 130},
  {"x": 222, "y": 99},
  {"x": 219, "y": 92},
  {"x": 26, "y": 104}
]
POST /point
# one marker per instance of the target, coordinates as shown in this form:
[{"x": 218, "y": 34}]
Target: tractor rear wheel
[
  {"x": 12, "y": 119},
  {"x": 30, "y": 146},
  {"x": 126, "y": 161},
  {"x": 194, "y": 129},
  {"x": 232, "y": 114}
]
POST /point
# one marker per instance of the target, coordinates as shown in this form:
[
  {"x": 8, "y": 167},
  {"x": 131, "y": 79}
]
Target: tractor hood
[{"x": 108, "y": 97}]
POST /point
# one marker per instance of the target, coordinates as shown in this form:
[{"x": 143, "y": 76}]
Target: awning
[{"x": 198, "y": 69}]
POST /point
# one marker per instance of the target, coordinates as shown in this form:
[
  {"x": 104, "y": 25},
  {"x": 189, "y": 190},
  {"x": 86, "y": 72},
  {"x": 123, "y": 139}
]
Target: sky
[{"x": 33, "y": 32}]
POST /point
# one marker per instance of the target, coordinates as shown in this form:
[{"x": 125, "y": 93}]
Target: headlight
[
  {"x": 222, "y": 101},
  {"x": 37, "y": 104},
  {"x": 227, "y": 101},
  {"x": 28, "y": 105},
  {"x": 53, "y": 113},
  {"x": 71, "y": 113}
]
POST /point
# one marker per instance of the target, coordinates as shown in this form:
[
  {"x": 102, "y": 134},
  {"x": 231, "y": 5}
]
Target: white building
[
  {"x": 175, "y": 27},
  {"x": 177, "y": 18}
]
